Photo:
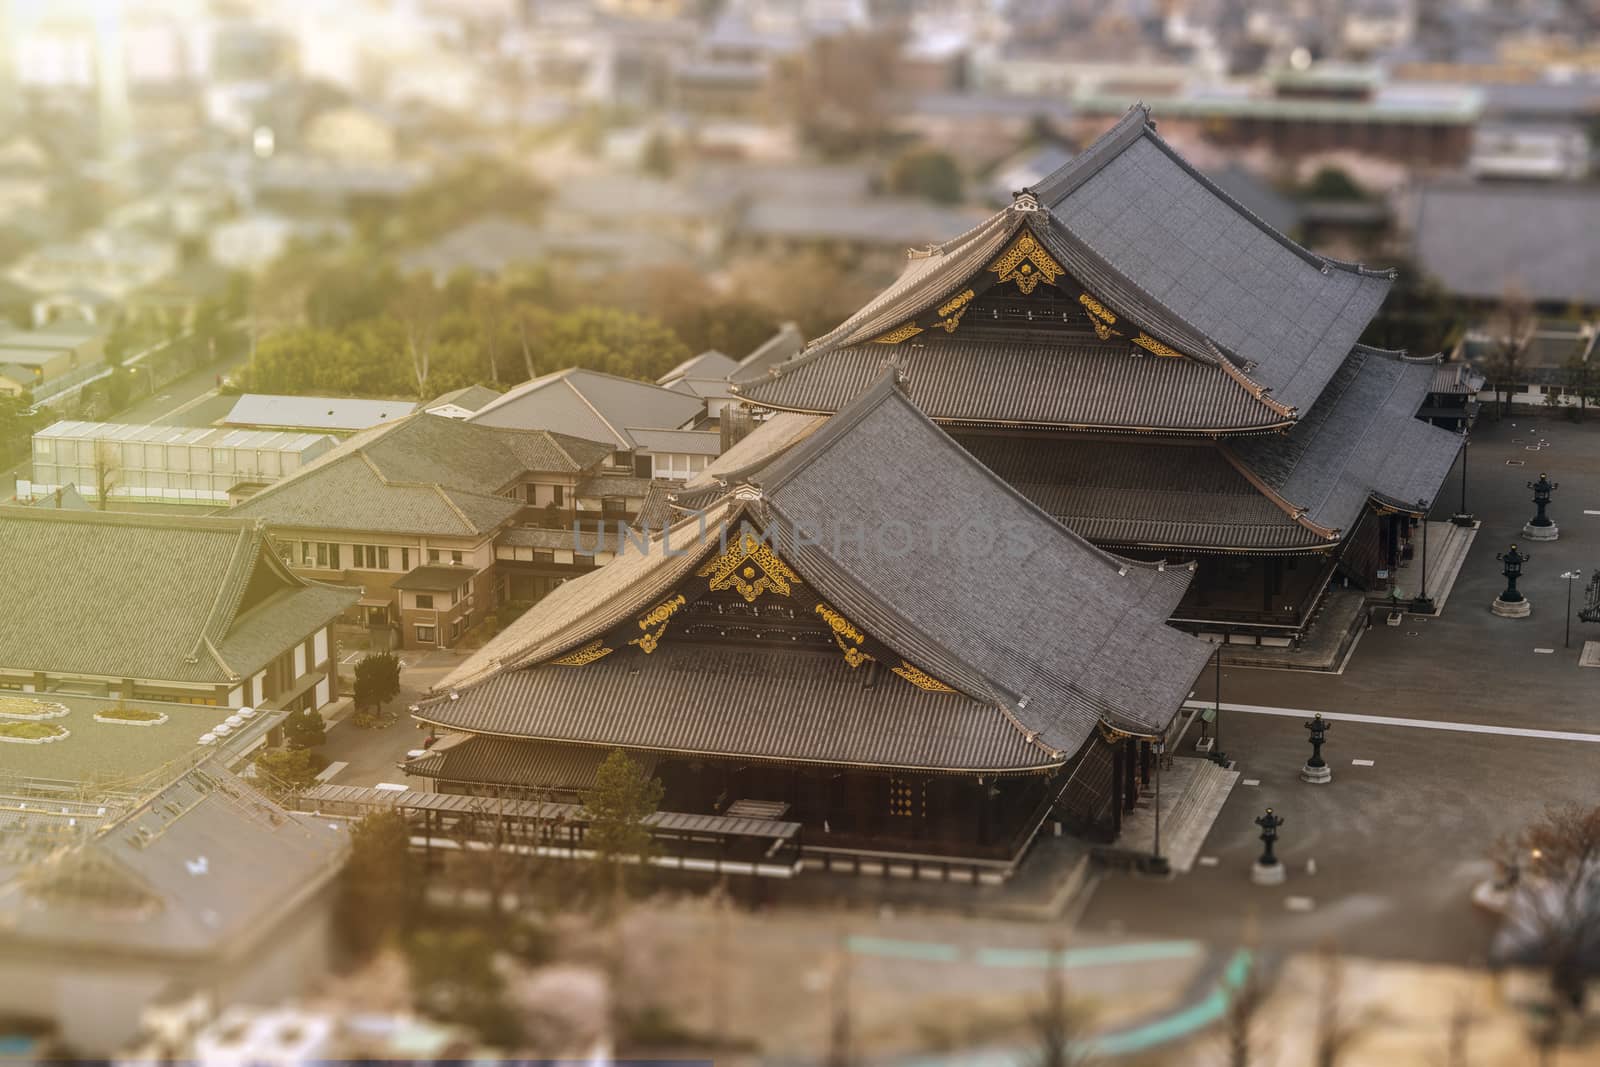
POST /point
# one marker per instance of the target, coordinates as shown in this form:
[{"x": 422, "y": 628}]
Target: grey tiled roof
[
  {"x": 590, "y": 405},
  {"x": 434, "y": 577},
  {"x": 708, "y": 364},
  {"x": 727, "y": 700},
  {"x": 758, "y": 448},
  {"x": 470, "y": 397},
  {"x": 528, "y": 764},
  {"x": 1481, "y": 240},
  {"x": 625, "y": 485},
  {"x": 216, "y": 863},
  {"x": 1056, "y": 630},
  {"x": 1361, "y": 440},
  {"x": 1084, "y": 384},
  {"x": 1164, "y": 248},
  {"x": 1291, "y": 314},
  {"x": 153, "y": 597},
  {"x": 1126, "y": 493},
  {"x": 425, "y": 474},
  {"x": 781, "y": 346},
  {"x": 694, "y": 442}
]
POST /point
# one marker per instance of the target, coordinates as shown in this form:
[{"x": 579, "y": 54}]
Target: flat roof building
[{"x": 322, "y": 414}]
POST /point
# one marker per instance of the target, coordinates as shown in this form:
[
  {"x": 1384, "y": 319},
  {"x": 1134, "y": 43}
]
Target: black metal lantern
[
  {"x": 1541, "y": 499},
  {"x": 1513, "y": 561},
  {"x": 1269, "y": 824}
]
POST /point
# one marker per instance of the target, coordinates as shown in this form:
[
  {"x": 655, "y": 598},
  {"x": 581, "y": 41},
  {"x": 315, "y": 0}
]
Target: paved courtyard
[{"x": 1398, "y": 844}]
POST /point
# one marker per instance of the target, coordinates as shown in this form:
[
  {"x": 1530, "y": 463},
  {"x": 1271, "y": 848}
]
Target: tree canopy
[
  {"x": 377, "y": 680},
  {"x": 623, "y": 797}
]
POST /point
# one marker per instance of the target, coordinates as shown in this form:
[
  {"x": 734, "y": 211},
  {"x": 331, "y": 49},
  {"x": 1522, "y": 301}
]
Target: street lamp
[
  {"x": 1570, "y": 576},
  {"x": 1463, "y": 517},
  {"x": 1422, "y": 604},
  {"x": 1511, "y": 604},
  {"x": 1540, "y": 528}
]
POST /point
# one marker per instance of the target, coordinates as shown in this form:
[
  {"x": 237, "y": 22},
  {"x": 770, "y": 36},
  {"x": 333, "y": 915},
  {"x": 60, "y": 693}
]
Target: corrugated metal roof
[{"x": 315, "y": 412}]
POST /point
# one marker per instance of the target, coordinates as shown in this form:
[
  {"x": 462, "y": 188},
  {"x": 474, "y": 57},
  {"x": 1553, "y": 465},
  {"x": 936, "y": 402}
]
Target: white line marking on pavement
[
  {"x": 1299, "y": 903},
  {"x": 1418, "y": 724},
  {"x": 1362, "y": 763},
  {"x": 1251, "y": 781},
  {"x": 1586, "y": 511},
  {"x": 1545, "y": 651},
  {"x": 1209, "y": 861}
]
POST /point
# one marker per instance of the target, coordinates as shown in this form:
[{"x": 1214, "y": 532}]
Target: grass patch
[
  {"x": 131, "y": 714},
  {"x": 31, "y": 731},
  {"x": 30, "y": 706}
]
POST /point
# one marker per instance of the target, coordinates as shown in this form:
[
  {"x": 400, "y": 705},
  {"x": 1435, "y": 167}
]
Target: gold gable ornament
[
  {"x": 921, "y": 678},
  {"x": 898, "y": 334},
  {"x": 1150, "y": 344},
  {"x": 587, "y": 654},
  {"x": 751, "y": 568},
  {"x": 952, "y": 310},
  {"x": 1100, "y": 316},
  {"x": 844, "y": 632},
  {"x": 657, "y": 617},
  {"x": 1027, "y": 263}
]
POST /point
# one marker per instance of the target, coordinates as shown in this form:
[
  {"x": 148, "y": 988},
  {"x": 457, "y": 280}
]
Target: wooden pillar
[
  {"x": 1144, "y": 764},
  {"x": 1116, "y": 788},
  {"x": 1131, "y": 780}
]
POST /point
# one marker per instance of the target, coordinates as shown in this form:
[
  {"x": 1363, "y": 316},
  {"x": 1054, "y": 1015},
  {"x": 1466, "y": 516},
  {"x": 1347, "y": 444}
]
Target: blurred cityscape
[{"x": 345, "y": 345}]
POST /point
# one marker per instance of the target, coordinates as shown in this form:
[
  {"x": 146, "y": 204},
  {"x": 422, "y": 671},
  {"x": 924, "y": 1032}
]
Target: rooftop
[
  {"x": 314, "y": 412},
  {"x": 591, "y": 405}
]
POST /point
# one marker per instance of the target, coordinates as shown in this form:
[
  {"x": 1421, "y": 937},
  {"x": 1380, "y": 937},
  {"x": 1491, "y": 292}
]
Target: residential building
[
  {"x": 318, "y": 414},
  {"x": 704, "y": 376},
  {"x": 411, "y": 513},
  {"x": 1555, "y": 363},
  {"x": 36, "y": 360},
  {"x": 461, "y": 403},
  {"x": 155, "y": 607},
  {"x": 613, "y": 410},
  {"x": 83, "y": 278},
  {"x": 203, "y": 466}
]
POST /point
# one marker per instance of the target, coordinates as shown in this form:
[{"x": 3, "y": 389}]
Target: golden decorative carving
[
  {"x": 952, "y": 310},
  {"x": 898, "y": 334},
  {"x": 587, "y": 654},
  {"x": 844, "y": 632},
  {"x": 1097, "y": 309},
  {"x": 1027, "y": 263},
  {"x": 657, "y": 617},
  {"x": 1147, "y": 342},
  {"x": 921, "y": 678},
  {"x": 750, "y": 567}
]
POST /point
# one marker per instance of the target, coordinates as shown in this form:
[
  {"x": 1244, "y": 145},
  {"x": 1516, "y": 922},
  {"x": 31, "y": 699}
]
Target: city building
[
  {"x": 412, "y": 512},
  {"x": 40, "y": 360},
  {"x": 626, "y": 414},
  {"x": 202, "y": 466},
  {"x": 824, "y": 656},
  {"x": 316, "y": 414},
  {"x": 1166, "y": 375},
  {"x": 705, "y": 376},
  {"x": 154, "y": 607},
  {"x": 92, "y": 274}
]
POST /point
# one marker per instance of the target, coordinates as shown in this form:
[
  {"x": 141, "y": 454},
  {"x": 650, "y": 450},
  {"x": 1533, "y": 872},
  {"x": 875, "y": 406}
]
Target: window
[
  {"x": 579, "y": 560},
  {"x": 425, "y": 635},
  {"x": 433, "y": 555},
  {"x": 323, "y": 554},
  {"x": 531, "y": 492},
  {"x": 372, "y": 557},
  {"x": 308, "y": 553},
  {"x": 455, "y": 557},
  {"x": 544, "y": 555},
  {"x": 405, "y": 559},
  {"x": 613, "y": 505},
  {"x": 557, "y": 495},
  {"x": 383, "y": 557},
  {"x": 424, "y": 600}
]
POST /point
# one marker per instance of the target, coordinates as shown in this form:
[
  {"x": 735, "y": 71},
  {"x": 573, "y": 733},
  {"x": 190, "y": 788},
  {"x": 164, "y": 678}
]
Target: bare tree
[
  {"x": 1336, "y": 1031},
  {"x": 1511, "y": 326},
  {"x": 419, "y": 309},
  {"x": 490, "y": 310},
  {"x": 106, "y": 468},
  {"x": 1055, "y": 1025},
  {"x": 1554, "y": 916},
  {"x": 839, "y": 1036}
]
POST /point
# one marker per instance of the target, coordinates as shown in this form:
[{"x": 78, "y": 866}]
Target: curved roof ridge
[
  {"x": 1295, "y": 511},
  {"x": 232, "y": 588}
]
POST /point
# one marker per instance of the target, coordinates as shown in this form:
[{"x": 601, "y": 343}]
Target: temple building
[
  {"x": 1164, "y": 373},
  {"x": 866, "y": 648}
]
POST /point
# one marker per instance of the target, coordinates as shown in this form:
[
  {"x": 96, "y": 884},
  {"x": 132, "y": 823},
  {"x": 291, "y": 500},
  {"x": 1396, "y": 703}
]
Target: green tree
[
  {"x": 377, "y": 680},
  {"x": 378, "y": 887},
  {"x": 1333, "y": 183},
  {"x": 622, "y": 799},
  {"x": 453, "y": 978},
  {"x": 603, "y": 339},
  {"x": 304, "y": 729},
  {"x": 282, "y": 771},
  {"x": 927, "y": 173}
]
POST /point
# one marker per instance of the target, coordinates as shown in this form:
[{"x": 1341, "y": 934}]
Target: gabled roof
[
  {"x": 1158, "y": 244},
  {"x": 591, "y": 405},
  {"x": 780, "y": 347},
  {"x": 1012, "y": 636},
  {"x": 470, "y": 398},
  {"x": 709, "y": 365},
  {"x": 425, "y": 474},
  {"x": 155, "y": 597}
]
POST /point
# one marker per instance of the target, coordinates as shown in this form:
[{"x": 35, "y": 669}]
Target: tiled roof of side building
[
  {"x": 470, "y": 398},
  {"x": 216, "y": 862},
  {"x": 708, "y": 364},
  {"x": 1483, "y": 239},
  {"x": 1362, "y": 440},
  {"x": 781, "y": 346},
  {"x": 694, "y": 442},
  {"x": 155, "y": 597},
  {"x": 590, "y": 405},
  {"x": 500, "y": 761}
]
